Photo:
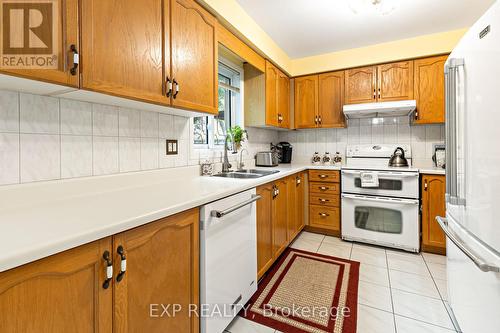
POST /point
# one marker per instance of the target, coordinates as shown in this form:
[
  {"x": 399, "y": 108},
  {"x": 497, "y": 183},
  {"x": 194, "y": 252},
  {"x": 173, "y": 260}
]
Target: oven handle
[
  {"x": 383, "y": 174},
  {"x": 380, "y": 199}
]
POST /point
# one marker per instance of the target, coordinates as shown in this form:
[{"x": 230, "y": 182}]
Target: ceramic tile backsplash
[
  {"x": 47, "y": 138},
  {"x": 366, "y": 131}
]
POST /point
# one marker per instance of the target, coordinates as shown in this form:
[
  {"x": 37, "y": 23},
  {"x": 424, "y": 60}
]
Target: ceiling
[{"x": 310, "y": 27}]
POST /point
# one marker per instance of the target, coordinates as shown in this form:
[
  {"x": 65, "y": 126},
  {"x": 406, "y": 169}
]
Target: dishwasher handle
[
  {"x": 221, "y": 213},
  {"x": 478, "y": 261}
]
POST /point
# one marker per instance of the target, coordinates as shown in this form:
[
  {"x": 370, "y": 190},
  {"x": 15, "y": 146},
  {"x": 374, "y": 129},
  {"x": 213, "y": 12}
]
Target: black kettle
[{"x": 398, "y": 158}]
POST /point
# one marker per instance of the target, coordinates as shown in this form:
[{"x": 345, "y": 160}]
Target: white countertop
[{"x": 41, "y": 219}]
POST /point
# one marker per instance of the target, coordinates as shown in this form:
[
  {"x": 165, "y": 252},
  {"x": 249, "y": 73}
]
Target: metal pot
[{"x": 398, "y": 158}]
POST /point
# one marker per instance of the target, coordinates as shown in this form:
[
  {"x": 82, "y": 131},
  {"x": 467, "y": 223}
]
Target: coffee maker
[{"x": 284, "y": 152}]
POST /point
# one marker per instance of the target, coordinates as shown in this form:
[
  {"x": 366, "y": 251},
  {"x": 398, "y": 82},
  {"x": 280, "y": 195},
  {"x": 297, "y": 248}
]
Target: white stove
[{"x": 380, "y": 203}]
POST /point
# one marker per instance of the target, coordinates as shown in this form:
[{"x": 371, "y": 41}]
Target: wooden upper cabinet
[
  {"x": 194, "y": 56},
  {"x": 433, "y": 204},
  {"x": 360, "y": 85},
  {"x": 429, "y": 90},
  {"x": 306, "y": 101},
  {"x": 162, "y": 267},
  {"x": 122, "y": 48},
  {"x": 331, "y": 99},
  {"x": 283, "y": 100},
  {"x": 60, "y": 293},
  {"x": 271, "y": 94},
  {"x": 395, "y": 81},
  {"x": 67, "y": 36},
  {"x": 264, "y": 229},
  {"x": 280, "y": 217}
]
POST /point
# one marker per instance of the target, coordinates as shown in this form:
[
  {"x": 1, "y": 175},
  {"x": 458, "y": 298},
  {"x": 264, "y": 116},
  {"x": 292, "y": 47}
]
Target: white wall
[
  {"x": 47, "y": 138},
  {"x": 361, "y": 131}
]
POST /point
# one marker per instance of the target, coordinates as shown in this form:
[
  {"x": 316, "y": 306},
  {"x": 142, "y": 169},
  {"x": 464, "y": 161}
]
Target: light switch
[{"x": 171, "y": 147}]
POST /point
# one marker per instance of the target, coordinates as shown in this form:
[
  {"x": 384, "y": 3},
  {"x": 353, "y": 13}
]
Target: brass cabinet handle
[
  {"x": 168, "y": 87},
  {"x": 297, "y": 180},
  {"x": 416, "y": 115},
  {"x": 320, "y": 120},
  {"x": 323, "y": 200},
  {"x": 106, "y": 256},
  {"x": 316, "y": 120},
  {"x": 123, "y": 263},
  {"x": 378, "y": 92},
  {"x": 425, "y": 185},
  {"x": 323, "y": 188},
  {"x": 177, "y": 88},
  {"x": 324, "y": 214},
  {"x": 374, "y": 94},
  {"x": 76, "y": 59},
  {"x": 323, "y": 176}
]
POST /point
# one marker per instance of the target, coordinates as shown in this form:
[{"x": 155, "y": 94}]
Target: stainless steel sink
[{"x": 246, "y": 173}]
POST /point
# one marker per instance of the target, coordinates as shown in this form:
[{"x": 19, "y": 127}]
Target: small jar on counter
[
  {"x": 316, "y": 159},
  {"x": 337, "y": 159},
  {"x": 207, "y": 168},
  {"x": 327, "y": 159}
]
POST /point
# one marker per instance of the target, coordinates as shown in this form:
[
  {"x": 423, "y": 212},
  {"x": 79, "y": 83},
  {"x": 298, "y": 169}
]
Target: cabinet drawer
[
  {"x": 324, "y": 200},
  {"x": 324, "y": 188},
  {"x": 324, "y": 217},
  {"x": 324, "y": 176}
]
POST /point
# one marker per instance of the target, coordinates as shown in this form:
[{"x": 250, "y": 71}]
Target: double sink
[{"x": 246, "y": 173}]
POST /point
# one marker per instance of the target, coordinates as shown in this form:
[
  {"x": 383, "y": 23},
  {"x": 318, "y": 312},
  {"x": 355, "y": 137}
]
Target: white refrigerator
[{"x": 472, "y": 222}]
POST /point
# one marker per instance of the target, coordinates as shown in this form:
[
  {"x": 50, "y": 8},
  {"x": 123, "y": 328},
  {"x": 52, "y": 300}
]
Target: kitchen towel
[{"x": 369, "y": 179}]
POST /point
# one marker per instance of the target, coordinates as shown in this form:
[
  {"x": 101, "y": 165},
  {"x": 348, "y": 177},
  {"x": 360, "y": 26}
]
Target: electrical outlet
[{"x": 172, "y": 147}]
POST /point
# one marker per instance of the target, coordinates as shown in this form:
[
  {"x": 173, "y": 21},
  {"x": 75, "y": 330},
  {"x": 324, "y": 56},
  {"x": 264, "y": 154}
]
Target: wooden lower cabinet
[
  {"x": 324, "y": 201},
  {"x": 433, "y": 204},
  {"x": 280, "y": 217},
  {"x": 264, "y": 229},
  {"x": 61, "y": 293},
  {"x": 296, "y": 197},
  {"x": 65, "y": 292}
]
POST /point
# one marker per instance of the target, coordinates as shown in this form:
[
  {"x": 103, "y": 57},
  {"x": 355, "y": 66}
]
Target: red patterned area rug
[{"x": 307, "y": 292}]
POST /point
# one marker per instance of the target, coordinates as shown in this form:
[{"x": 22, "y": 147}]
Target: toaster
[{"x": 266, "y": 159}]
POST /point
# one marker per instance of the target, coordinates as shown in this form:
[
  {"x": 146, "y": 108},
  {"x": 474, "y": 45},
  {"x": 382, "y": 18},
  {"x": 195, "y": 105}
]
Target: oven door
[
  {"x": 391, "y": 183},
  {"x": 389, "y": 222}
]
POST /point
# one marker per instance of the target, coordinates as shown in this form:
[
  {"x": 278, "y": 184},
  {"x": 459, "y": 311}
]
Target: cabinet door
[
  {"x": 429, "y": 90},
  {"x": 280, "y": 218},
  {"x": 61, "y": 293},
  {"x": 395, "y": 81},
  {"x": 122, "y": 48},
  {"x": 306, "y": 101},
  {"x": 331, "y": 99},
  {"x": 67, "y": 35},
  {"x": 283, "y": 100},
  {"x": 162, "y": 268},
  {"x": 295, "y": 205},
  {"x": 360, "y": 85},
  {"x": 433, "y": 204},
  {"x": 264, "y": 229},
  {"x": 271, "y": 95},
  {"x": 194, "y": 56}
]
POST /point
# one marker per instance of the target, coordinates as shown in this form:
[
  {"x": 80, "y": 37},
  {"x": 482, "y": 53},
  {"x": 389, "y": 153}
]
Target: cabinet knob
[
  {"x": 323, "y": 188},
  {"x": 76, "y": 59},
  {"x": 324, "y": 214},
  {"x": 323, "y": 200},
  {"x": 425, "y": 185},
  {"x": 168, "y": 88},
  {"x": 123, "y": 263},
  {"x": 106, "y": 256},
  {"x": 323, "y": 176},
  {"x": 177, "y": 88}
]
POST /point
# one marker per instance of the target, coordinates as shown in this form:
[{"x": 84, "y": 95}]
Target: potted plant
[{"x": 238, "y": 135}]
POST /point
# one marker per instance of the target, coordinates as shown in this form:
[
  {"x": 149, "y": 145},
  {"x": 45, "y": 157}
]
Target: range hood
[{"x": 382, "y": 109}]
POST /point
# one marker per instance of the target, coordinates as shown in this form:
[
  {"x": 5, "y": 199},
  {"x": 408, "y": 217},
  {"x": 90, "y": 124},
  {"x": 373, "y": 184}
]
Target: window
[{"x": 209, "y": 132}]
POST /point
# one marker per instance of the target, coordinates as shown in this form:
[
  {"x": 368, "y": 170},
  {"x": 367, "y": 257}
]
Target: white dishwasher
[{"x": 228, "y": 259}]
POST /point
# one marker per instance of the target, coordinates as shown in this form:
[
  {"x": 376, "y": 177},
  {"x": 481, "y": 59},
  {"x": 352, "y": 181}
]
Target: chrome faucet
[
  {"x": 241, "y": 164},
  {"x": 226, "y": 165}
]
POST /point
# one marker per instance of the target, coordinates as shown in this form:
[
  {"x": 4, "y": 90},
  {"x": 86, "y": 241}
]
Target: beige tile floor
[{"x": 398, "y": 292}]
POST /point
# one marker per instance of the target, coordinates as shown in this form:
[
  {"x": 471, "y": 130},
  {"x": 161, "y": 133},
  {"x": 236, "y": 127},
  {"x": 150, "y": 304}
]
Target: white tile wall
[
  {"x": 46, "y": 138},
  {"x": 364, "y": 131}
]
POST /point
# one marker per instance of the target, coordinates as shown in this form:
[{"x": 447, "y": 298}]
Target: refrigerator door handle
[
  {"x": 452, "y": 119},
  {"x": 477, "y": 260}
]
